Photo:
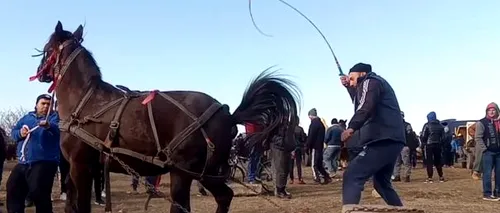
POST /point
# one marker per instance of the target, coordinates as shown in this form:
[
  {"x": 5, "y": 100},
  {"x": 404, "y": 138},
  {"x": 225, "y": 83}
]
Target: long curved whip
[
  {"x": 341, "y": 73},
  {"x": 253, "y": 20}
]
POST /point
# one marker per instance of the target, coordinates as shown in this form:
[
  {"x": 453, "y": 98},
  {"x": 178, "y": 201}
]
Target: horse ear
[
  {"x": 59, "y": 27},
  {"x": 78, "y": 34}
]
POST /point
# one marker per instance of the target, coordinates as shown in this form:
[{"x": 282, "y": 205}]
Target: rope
[{"x": 26, "y": 140}]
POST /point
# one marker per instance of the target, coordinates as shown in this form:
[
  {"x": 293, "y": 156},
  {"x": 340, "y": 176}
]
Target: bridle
[
  {"x": 56, "y": 70},
  {"x": 55, "y": 67}
]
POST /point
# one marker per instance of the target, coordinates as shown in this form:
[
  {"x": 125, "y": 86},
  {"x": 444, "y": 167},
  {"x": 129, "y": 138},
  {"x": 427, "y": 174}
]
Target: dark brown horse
[{"x": 185, "y": 133}]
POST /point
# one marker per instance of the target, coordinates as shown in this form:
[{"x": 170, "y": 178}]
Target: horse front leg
[
  {"x": 180, "y": 187},
  {"x": 70, "y": 204},
  {"x": 81, "y": 176},
  {"x": 222, "y": 193}
]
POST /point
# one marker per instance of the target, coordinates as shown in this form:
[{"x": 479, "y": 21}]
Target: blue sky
[{"x": 438, "y": 55}]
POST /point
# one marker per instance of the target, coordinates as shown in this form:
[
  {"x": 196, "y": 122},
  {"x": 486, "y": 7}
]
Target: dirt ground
[{"x": 460, "y": 194}]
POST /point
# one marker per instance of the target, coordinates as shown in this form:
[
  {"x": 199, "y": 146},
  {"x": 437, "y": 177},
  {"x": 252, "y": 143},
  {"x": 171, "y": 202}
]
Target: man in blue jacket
[
  {"x": 37, "y": 137},
  {"x": 378, "y": 128},
  {"x": 333, "y": 145}
]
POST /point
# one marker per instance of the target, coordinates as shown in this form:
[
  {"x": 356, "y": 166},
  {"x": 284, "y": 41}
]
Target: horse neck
[{"x": 81, "y": 74}]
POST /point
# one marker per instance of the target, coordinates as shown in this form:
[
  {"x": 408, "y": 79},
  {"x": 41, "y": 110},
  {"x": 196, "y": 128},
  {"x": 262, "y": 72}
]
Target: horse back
[
  {"x": 137, "y": 129},
  {"x": 169, "y": 114}
]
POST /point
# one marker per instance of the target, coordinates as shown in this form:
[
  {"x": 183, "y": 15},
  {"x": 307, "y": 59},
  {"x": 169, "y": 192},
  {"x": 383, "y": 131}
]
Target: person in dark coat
[
  {"x": 315, "y": 140},
  {"x": 433, "y": 138},
  {"x": 378, "y": 127},
  {"x": 402, "y": 170},
  {"x": 281, "y": 149},
  {"x": 300, "y": 140},
  {"x": 446, "y": 157}
]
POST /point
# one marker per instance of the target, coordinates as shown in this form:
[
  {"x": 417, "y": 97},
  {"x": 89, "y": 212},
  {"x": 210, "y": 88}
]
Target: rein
[{"x": 26, "y": 140}]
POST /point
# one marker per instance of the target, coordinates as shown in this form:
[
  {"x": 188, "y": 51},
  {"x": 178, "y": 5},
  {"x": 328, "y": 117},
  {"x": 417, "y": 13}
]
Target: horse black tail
[{"x": 270, "y": 102}]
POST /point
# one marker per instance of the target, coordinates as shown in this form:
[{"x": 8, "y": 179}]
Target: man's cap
[
  {"x": 361, "y": 67},
  {"x": 43, "y": 96},
  {"x": 312, "y": 112}
]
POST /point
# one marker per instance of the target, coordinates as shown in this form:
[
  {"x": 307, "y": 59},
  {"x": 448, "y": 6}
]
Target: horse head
[{"x": 56, "y": 53}]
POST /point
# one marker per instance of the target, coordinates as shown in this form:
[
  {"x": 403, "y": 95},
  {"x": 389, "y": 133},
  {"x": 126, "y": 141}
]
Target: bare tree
[{"x": 9, "y": 118}]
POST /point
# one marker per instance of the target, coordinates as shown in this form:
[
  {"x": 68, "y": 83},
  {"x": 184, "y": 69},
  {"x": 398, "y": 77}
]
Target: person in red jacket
[{"x": 255, "y": 154}]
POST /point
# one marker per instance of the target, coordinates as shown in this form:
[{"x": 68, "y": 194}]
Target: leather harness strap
[
  {"x": 83, "y": 102},
  {"x": 107, "y": 144},
  {"x": 153, "y": 127},
  {"x": 115, "y": 123},
  {"x": 197, "y": 124},
  {"x": 178, "y": 105},
  {"x": 83, "y": 135}
]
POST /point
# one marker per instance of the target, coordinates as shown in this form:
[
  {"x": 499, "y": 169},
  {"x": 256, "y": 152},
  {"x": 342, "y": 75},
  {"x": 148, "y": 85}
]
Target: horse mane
[
  {"x": 89, "y": 60},
  {"x": 98, "y": 78}
]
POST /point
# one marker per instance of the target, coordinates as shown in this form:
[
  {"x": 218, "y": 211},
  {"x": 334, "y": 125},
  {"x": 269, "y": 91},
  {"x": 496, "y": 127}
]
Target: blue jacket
[
  {"x": 454, "y": 145},
  {"x": 332, "y": 137},
  {"x": 43, "y": 143}
]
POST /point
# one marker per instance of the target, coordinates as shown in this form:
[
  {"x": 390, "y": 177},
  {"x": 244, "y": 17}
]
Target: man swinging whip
[{"x": 380, "y": 132}]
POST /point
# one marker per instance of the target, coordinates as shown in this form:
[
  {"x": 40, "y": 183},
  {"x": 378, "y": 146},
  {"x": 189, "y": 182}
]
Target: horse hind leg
[
  {"x": 180, "y": 187},
  {"x": 222, "y": 193}
]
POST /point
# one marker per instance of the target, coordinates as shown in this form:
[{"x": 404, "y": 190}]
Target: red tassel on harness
[
  {"x": 150, "y": 97},
  {"x": 49, "y": 62},
  {"x": 32, "y": 78},
  {"x": 252, "y": 128},
  {"x": 158, "y": 180}
]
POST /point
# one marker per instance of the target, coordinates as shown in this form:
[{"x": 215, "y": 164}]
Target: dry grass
[{"x": 460, "y": 194}]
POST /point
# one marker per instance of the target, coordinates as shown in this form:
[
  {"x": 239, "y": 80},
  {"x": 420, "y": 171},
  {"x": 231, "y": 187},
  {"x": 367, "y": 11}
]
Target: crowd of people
[
  {"x": 384, "y": 132},
  {"x": 377, "y": 128}
]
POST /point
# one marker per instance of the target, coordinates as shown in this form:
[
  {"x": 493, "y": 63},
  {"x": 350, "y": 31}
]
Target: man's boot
[
  {"x": 281, "y": 192},
  {"x": 407, "y": 179},
  {"x": 317, "y": 181},
  {"x": 327, "y": 180},
  {"x": 301, "y": 181}
]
